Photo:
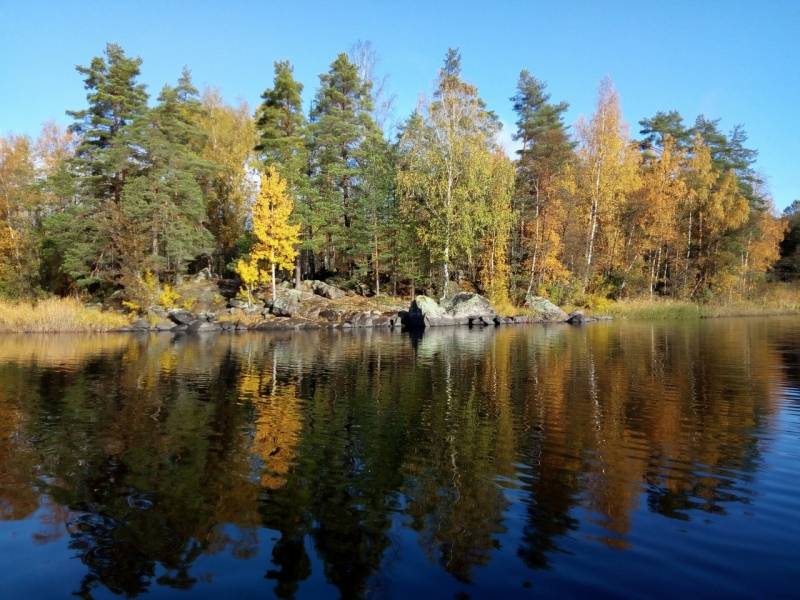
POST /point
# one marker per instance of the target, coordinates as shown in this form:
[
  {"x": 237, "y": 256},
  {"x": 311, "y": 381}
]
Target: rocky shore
[{"x": 317, "y": 305}]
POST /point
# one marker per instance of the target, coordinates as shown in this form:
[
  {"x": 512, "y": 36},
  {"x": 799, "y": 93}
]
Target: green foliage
[
  {"x": 445, "y": 170},
  {"x": 135, "y": 189},
  {"x": 341, "y": 121}
]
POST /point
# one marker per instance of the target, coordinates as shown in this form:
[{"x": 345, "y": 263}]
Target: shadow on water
[{"x": 363, "y": 463}]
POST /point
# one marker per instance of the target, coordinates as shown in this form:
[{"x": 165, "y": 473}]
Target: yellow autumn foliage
[{"x": 275, "y": 237}]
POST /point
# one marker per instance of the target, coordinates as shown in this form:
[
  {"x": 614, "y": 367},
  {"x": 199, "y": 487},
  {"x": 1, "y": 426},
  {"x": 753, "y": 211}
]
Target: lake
[{"x": 615, "y": 459}]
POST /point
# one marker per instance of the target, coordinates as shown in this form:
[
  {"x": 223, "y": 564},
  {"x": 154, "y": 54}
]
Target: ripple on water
[{"x": 627, "y": 459}]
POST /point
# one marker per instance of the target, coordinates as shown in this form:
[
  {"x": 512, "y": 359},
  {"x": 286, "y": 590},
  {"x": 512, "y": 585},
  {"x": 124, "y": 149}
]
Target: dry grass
[
  {"x": 673, "y": 309},
  {"x": 240, "y": 317},
  {"x": 57, "y": 315}
]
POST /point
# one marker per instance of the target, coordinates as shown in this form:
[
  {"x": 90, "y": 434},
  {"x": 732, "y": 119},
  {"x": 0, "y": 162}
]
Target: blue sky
[{"x": 734, "y": 60}]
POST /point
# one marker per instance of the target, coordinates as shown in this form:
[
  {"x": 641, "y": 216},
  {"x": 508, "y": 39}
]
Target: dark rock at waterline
[
  {"x": 180, "y": 316},
  {"x": 164, "y": 325},
  {"x": 286, "y": 323},
  {"x": 578, "y": 318},
  {"x": 140, "y": 325},
  {"x": 426, "y": 312},
  {"x": 202, "y": 325}
]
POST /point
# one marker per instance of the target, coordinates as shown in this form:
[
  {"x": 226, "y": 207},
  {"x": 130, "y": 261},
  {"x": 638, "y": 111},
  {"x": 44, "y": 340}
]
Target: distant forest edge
[{"x": 137, "y": 193}]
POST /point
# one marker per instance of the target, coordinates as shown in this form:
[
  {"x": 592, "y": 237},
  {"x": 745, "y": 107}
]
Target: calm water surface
[{"x": 616, "y": 459}]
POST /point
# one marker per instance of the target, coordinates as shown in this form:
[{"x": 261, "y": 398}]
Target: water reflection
[{"x": 334, "y": 459}]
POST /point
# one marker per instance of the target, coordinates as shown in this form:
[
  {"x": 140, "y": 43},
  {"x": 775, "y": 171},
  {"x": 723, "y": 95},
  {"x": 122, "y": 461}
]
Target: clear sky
[{"x": 734, "y": 60}]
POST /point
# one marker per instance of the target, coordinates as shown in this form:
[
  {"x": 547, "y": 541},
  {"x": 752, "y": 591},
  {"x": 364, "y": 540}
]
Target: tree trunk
[
  {"x": 274, "y": 288},
  {"x": 377, "y": 266}
]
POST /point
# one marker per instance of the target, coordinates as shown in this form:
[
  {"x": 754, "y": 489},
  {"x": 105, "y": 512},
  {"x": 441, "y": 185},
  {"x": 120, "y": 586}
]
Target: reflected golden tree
[{"x": 152, "y": 451}]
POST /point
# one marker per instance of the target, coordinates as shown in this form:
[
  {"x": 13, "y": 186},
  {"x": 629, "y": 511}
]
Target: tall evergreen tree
[
  {"x": 281, "y": 126},
  {"x": 543, "y": 163},
  {"x": 340, "y": 123},
  {"x": 663, "y": 124},
  {"x": 283, "y": 143},
  {"x": 164, "y": 204},
  {"x": 374, "y": 208},
  {"x": 81, "y": 235},
  {"x": 115, "y": 99},
  {"x": 789, "y": 264}
]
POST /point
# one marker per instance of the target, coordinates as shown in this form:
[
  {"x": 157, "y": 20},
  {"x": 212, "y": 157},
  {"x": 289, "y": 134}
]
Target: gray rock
[
  {"x": 383, "y": 322},
  {"x": 388, "y": 320},
  {"x": 282, "y": 324},
  {"x": 203, "y": 275},
  {"x": 180, "y": 316},
  {"x": 578, "y": 318},
  {"x": 425, "y": 312},
  {"x": 238, "y": 303},
  {"x": 544, "y": 309},
  {"x": 464, "y": 308},
  {"x": 466, "y": 305},
  {"x": 327, "y": 291},
  {"x": 141, "y": 324},
  {"x": 287, "y": 304},
  {"x": 200, "y": 325},
  {"x": 428, "y": 307},
  {"x": 330, "y": 315},
  {"x": 163, "y": 325}
]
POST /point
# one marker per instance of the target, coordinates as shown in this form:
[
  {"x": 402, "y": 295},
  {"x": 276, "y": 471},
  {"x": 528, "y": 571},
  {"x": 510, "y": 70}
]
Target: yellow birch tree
[
  {"x": 275, "y": 238},
  {"x": 609, "y": 173}
]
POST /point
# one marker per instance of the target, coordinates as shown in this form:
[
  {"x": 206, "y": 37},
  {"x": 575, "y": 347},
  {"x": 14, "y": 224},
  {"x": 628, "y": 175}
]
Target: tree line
[{"x": 134, "y": 192}]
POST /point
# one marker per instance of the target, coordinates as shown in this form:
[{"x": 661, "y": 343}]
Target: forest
[{"x": 139, "y": 191}]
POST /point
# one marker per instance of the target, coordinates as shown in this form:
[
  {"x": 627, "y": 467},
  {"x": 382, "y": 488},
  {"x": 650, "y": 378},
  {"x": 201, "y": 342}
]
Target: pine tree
[
  {"x": 281, "y": 126},
  {"x": 374, "y": 215},
  {"x": 543, "y": 164},
  {"x": 81, "y": 236},
  {"x": 788, "y": 266},
  {"x": 163, "y": 207},
  {"x": 115, "y": 100},
  {"x": 663, "y": 124},
  {"x": 283, "y": 142},
  {"x": 340, "y": 123}
]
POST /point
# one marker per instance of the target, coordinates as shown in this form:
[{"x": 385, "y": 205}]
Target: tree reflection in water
[{"x": 330, "y": 451}]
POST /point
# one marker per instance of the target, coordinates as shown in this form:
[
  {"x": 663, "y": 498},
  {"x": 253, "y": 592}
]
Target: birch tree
[{"x": 442, "y": 163}]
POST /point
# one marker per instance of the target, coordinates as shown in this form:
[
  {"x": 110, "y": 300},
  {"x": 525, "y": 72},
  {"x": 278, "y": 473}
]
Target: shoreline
[
  {"x": 308, "y": 327},
  {"x": 325, "y": 307}
]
